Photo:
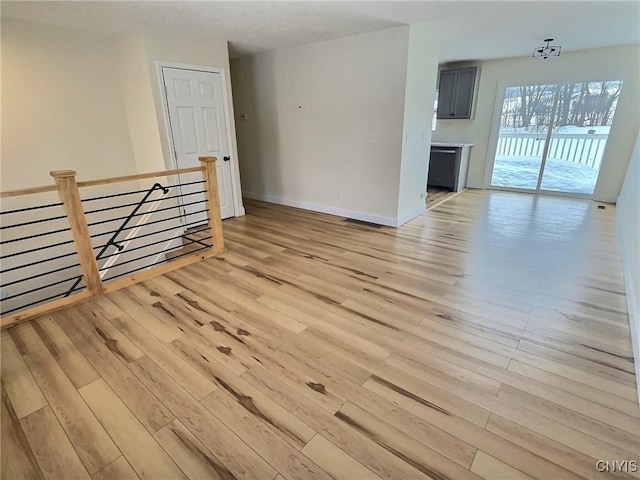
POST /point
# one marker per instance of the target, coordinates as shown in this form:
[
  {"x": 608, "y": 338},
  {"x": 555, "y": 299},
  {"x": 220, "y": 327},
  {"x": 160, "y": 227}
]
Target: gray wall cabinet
[{"x": 455, "y": 92}]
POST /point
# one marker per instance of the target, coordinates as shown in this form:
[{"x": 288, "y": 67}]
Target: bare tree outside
[{"x": 587, "y": 104}]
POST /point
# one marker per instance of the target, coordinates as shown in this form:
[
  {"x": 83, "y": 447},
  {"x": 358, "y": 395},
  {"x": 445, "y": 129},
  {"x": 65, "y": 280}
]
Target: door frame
[
  {"x": 551, "y": 79},
  {"x": 238, "y": 209}
]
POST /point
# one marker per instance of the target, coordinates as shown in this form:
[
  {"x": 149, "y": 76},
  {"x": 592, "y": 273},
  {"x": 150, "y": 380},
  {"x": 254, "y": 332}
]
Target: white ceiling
[{"x": 470, "y": 30}]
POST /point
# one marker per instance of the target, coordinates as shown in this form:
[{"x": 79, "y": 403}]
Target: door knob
[{"x": 227, "y": 158}]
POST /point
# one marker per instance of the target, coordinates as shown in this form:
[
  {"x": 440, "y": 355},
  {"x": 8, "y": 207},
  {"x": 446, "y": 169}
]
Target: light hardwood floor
[{"x": 487, "y": 338}]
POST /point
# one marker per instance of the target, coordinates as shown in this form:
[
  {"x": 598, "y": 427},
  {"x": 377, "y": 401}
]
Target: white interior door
[{"x": 198, "y": 127}]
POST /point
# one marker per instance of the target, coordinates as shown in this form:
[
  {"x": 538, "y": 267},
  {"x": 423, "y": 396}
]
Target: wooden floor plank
[
  {"x": 97, "y": 322},
  {"x": 225, "y": 403},
  {"x": 572, "y": 401},
  {"x": 582, "y": 385},
  {"x": 181, "y": 371},
  {"x": 140, "y": 449},
  {"x": 428, "y": 394},
  {"x": 436, "y": 367},
  {"x": 337, "y": 463},
  {"x": 565, "y": 427},
  {"x": 51, "y": 447},
  {"x": 232, "y": 452},
  {"x": 618, "y": 346},
  {"x": 126, "y": 304},
  {"x": 553, "y": 451},
  {"x": 498, "y": 356},
  {"x": 162, "y": 285},
  {"x": 255, "y": 402},
  {"x": 622, "y": 390},
  {"x": 491, "y": 468},
  {"x": 94, "y": 446},
  {"x": 414, "y": 426},
  {"x": 382, "y": 462},
  {"x": 18, "y": 381},
  {"x": 600, "y": 356},
  {"x": 195, "y": 460},
  {"x": 626, "y": 441},
  {"x": 609, "y": 370},
  {"x": 437, "y": 196},
  {"x": 519, "y": 457},
  {"x": 110, "y": 357},
  {"x": 119, "y": 469},
  {"x": 421, "y": 431},
  {"x": 415, "y": 454},
  {"x": 74, "y": 364},
  {"x": 18, "y": 460}
]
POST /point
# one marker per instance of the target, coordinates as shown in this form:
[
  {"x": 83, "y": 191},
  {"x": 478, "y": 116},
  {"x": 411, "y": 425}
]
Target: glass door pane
[
  {"x": 527, "y": 114},
  {"x": 580, "y": 129}
]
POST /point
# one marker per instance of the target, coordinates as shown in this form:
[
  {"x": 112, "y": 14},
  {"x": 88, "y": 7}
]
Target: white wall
[
  {"x": 136, "y": 83},
  {"x": 607, "y": 63},
  {"x": 310, "y": 111},
  {"x": 61, "y": 106},
  {"x": 422, "y": 69},
  {"x": 628, "y": 208}
]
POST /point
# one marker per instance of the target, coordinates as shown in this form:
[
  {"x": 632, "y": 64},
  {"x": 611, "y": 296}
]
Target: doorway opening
[{"x": 552, "y": 137}]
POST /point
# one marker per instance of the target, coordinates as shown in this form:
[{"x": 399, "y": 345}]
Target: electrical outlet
[{"x": 372, "y": 138}]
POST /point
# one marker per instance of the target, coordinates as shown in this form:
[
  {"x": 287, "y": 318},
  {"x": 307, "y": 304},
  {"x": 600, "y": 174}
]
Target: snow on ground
[
  {"x": 573, "y": 129},
  {"x": 559, "y": 175},
  {"x": 565, "y": 129}
]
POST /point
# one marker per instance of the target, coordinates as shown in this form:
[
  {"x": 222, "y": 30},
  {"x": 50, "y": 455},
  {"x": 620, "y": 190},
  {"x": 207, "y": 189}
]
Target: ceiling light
[{"x": 546, "y": 51}]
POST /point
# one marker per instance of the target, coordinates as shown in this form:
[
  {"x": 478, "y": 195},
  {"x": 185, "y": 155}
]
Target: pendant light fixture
[{"x": 547, "y": 50}]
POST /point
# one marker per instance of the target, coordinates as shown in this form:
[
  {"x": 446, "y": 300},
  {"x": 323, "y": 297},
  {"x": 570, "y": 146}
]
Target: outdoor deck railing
[
  {"x": 571, "y": 147},
  {"x": 49, "y": 245}
]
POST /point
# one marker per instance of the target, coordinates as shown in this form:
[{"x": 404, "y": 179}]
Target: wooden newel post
[
  {"x": 70, "y": 197},
  {"x": 213, "y": 201}
]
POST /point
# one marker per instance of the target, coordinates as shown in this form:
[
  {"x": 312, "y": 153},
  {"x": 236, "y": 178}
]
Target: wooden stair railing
[{"x": 69, "y": 192}]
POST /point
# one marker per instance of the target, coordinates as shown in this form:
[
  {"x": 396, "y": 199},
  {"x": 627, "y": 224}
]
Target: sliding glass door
[
  {"x": 552, "y": 136},
  {"x": 527, "y": 113}
]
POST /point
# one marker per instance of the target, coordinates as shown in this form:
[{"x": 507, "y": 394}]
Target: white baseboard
[
  {"x": 316, "y": 207},
  {"x": 475, "y": 185},
  {"x": 632, "y": 302},
  {"x": 606, "y": 198},
  {"x": 411, "y": 215}
]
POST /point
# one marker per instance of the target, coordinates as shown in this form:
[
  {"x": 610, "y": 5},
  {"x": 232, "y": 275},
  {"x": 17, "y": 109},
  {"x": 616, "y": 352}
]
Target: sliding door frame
[{"x": 557, "y": 81}]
